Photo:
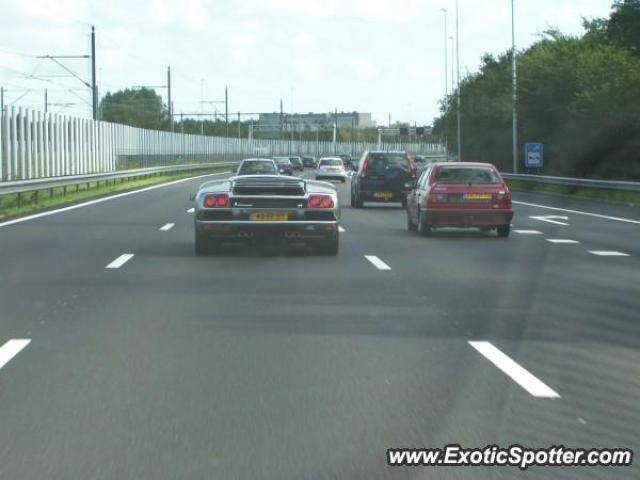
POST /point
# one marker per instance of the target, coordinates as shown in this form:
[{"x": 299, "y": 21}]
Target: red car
[{"x": 460, "y": 194}]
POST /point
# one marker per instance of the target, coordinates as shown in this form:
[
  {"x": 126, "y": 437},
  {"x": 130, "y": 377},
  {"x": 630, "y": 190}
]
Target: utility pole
[
  {"x": 514, "y": 85},
  {"x": 446, "y": 82},
  {"x": 1, "y": 100},
  {"x": 46, "y": 102},
  {"x": 226, "y": 110},
  {"x": 458, "y": 84},
  {"x": 389, "y": 120},
  {"x": 94, "y": 89},
  {"x": 169, "y": 102},
  {"x": 239, "y": 131}
]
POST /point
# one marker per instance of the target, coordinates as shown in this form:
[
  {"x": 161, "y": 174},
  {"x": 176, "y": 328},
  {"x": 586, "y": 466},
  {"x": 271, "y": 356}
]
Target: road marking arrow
[{"x": 551, "y": 219}]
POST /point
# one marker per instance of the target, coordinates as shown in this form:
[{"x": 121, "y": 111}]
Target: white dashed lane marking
[
  {"x": 11, "y": 349},
  {"x": 191, "y": 210},
  {"x": 340, "y": 229},
  {"x": 518, "y": 374},
  {"x": 167, "y": 227},
  {"x": 562, "y": 240},
  {"x": 608, "y": 253},
  {"x": 121, "y": 260},
  {"x": 555, "y": 219},
  {"x": 528, "y": 232},
  {"x": 379, "y": 264}
]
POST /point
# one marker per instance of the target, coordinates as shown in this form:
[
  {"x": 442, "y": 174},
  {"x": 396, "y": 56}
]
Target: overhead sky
[{"x": 379, "y": 56}]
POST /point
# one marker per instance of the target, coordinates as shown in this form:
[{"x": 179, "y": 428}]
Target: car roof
[
  {"x": 464, "y": 164},
  {"x": 257, "y": 160},
  {"x": 330, "y": 158}
]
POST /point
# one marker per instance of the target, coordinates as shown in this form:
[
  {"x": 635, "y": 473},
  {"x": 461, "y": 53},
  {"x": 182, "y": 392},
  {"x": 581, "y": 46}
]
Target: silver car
[
  {"x": 331, "y": 168},
  {"x": 261, "y": 208},
  {"x": 257, "y": 166}
]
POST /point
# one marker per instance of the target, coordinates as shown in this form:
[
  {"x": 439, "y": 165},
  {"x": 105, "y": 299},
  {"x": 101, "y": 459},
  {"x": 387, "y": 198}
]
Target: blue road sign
[{"x": 533, "y": 155}]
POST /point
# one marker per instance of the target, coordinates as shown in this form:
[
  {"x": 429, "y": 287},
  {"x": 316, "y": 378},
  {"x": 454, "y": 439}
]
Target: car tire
[
  {"x": 329, "y": 248},
  {"x": 358, "y": 203},
  {"x": 504, "y": 231},
  {"x": 412, "y": 227},
  {"x": 424, "y": 228}
]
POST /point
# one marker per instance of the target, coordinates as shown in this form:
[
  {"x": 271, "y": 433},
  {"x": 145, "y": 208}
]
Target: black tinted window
[
  {"x": 249, "y": 168},
  {"x": 467, "y": 175},
  {"x": 383, "y": 161}
]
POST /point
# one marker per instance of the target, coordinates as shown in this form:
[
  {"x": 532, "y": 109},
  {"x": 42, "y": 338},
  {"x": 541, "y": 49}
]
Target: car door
[{"x": 415, "y": 196}]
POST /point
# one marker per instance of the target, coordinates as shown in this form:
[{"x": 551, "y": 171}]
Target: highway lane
[{"x": 268, "y": 364}]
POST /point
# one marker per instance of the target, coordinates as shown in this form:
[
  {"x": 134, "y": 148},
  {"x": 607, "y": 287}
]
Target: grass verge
[
  {"x": 616, "y": 196},
  {"x": 12, "y": 206}
]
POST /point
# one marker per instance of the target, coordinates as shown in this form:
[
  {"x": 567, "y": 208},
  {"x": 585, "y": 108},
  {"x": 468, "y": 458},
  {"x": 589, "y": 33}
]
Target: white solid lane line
[
  {"x": 529, "y": 232},
  {"x": 121, "y": 260},
  {"x": 550, "y": 219},
  {"x": 518, "y": 374},
  {"x": 167, "y": 227},
  {"x": 100, "y": 200},
  {"x": 589, "y": 214},
  {"x": 340, "y": 229},
  {"x": 379, "y": 264},
  {"x": 191, "y": 210},
  {"x": 608, "y": 253},
  {"x": 562, "y": 240},
  {"x": 11, "y": 349}
]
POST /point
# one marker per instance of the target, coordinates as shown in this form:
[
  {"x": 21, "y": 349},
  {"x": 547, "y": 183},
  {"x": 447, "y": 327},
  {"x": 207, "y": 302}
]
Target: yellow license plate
[
  {"x": 271, "y": 216},
  {"x": 383, "y": 195},
  {"x": 477, "y": 196}
]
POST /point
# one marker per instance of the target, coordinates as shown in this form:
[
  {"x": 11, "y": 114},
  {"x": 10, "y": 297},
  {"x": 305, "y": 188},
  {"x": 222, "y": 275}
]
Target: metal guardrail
[
  {"x": 576, "y": 182},
  {"x": 23, "y": 186}
]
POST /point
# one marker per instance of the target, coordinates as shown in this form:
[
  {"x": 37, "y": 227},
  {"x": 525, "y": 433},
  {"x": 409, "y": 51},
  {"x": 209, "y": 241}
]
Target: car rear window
[
  {"x": 331, "y": 162},
  {"x": 467, "y": 175},
  {"x": 257, "y": 168},
  {"x": 379, "y": 162},
  {"x": 281, "y": 160}
]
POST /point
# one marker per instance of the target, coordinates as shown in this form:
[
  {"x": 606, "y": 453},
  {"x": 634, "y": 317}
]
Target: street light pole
[
  {"x": 514, "y": 85},
  {"x": 458, "y": 84},
  {"x": 446, "y": 79}
]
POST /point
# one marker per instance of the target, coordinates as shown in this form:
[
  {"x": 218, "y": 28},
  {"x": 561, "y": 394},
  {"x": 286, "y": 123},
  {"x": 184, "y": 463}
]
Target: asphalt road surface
[{"x": 280, "y": 364}]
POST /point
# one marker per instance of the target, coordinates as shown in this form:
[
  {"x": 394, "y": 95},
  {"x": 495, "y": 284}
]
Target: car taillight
[
  {"x": 216, "y": 200},
  {"x": 320, "y": 201},
  {"x": 365, "y": 165},
  {"x": 413, "y": 169},
  {"x": 502, "y": 198}
]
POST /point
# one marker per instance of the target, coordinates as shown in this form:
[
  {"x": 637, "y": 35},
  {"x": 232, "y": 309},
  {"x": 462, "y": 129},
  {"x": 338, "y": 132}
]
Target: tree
[{"x": 136, "y": 107}]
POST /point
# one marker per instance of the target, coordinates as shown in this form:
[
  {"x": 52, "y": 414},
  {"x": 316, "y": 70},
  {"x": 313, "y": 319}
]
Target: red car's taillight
[
  {"x": 365, "y": 165},
  {"x": 502, "y": 198},
  {"x": 413, "y": 169},
  {"x": 320, "y": 201},
  {"x": 216, "y": 200}
]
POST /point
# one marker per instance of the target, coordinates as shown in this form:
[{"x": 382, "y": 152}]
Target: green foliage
[
  {"x": 577, "y": 95},
  {"x": 136, "y": 107}
]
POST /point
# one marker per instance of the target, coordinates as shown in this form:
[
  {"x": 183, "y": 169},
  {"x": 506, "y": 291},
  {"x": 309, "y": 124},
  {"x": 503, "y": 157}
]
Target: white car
[{"x": 331, "y": 168}]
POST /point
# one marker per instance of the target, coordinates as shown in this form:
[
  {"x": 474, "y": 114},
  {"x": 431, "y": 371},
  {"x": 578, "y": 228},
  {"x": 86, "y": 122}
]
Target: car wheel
[
  {"x": 410, "y": 225},
  {"x": 353, "y": 200},
  {"x": 424, "y": 228},
  {"x": 358, "y": 203},
  {"x": 330, "y": 247},
  {"x": 504, "y": 230}
]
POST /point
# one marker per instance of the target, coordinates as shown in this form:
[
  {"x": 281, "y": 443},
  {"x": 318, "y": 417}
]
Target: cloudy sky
[{"x": 379, "y": 56}]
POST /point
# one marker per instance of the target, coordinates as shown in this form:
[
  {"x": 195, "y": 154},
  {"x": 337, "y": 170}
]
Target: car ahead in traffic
[
  {"x": 421, "y": 162},
  {"x": 331, "y": 168},
  {"x": 263, "y": 208},
  {"x": 297, "y": 164},
  {"x": 460, "y": 195},
  {"x": 309, "y": 162},
  {"x": 284, "y": 165},
  {"x": 382, "y": 177},
  {"x": 257, "y": 166}
]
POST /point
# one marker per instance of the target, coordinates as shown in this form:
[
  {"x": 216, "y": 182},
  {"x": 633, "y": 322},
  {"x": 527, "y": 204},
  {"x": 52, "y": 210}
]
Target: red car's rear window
[{"x": 467, "y": 175}]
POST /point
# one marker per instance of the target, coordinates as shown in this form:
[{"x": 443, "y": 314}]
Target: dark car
[
  {"x": 309, "y": 162},
  {"x": 297, "y": 163},
  {"x": 284, "y": 165},
  {"x": 460, "y": 195},
  {"x": 382, "y": 177}
]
